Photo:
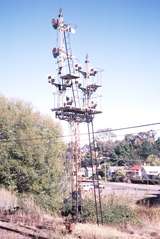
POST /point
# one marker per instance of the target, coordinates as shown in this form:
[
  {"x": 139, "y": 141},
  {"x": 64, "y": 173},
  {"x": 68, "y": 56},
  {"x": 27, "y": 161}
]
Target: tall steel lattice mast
[{"x": 76, "y": 89}]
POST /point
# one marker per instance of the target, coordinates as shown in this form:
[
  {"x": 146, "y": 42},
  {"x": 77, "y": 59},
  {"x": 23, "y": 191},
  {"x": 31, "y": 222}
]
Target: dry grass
[
  {"x": 150, "y": 215},
  {"x": 4, "y": 234},
  {"x": 113, "y": 198},
  {"x": 124, "y": 199},
  {"x": 7, "y": 199},
  {"x": 90, "y": 231},
  {"x": 146, "y": 225},
  {"x": 32, "y": 215}
]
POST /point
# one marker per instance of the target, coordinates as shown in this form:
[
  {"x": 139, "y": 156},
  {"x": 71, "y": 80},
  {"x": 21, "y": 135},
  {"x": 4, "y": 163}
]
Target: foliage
[
  {"x": 30, "y": 152},
  {"x": 153, "y": 160},
  {"x": 119, "y": 176},
  {"x": 114, "y": 212},
  {"x": 132, "y": 149}
]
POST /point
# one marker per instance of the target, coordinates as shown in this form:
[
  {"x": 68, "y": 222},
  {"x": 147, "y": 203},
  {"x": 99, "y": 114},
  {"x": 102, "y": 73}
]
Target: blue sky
[{"x": 121, "y": 36}]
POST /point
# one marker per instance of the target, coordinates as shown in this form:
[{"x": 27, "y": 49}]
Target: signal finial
[{"x": 60, "y": 13}]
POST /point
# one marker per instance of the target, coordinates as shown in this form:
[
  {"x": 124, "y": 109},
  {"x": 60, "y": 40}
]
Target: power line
[
  {"x": 129, "y": 127},
  {"x": 65, "y": 136},
  {"x": 119, "y": 129}
]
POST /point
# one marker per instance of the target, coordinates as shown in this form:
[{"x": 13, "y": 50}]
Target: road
[{"x": 135, "y": 191}]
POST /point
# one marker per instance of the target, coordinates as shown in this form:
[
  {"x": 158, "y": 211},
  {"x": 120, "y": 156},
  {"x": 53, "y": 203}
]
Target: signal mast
[{"x": 76, "y": 88}]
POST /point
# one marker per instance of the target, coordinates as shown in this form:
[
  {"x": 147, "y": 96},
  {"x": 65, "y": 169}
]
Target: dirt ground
[{"x": 92, "y": 231}]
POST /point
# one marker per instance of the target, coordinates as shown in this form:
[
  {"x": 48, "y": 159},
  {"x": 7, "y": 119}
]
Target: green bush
[
  {"x": 31, "y": 153},
  {"x": 113, "y": 212},
  {"x": 118, "y": 214}
]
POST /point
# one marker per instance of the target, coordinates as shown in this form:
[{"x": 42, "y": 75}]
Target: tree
[
  {"x": 30, "y": 152},
  {"x": 145, "y": 149},
  {"x": 153, "y": 160},
  {"x": 132, "y": 149}
]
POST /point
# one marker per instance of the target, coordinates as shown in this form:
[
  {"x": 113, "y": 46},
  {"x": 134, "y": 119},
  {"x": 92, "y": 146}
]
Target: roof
[{"x": 136, "y": 167}]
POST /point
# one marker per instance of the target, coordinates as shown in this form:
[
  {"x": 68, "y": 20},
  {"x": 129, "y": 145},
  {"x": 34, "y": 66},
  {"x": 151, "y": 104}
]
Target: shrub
[
  {"x": 114, "y": 212},
  {"x": 31, "y": 153}
]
